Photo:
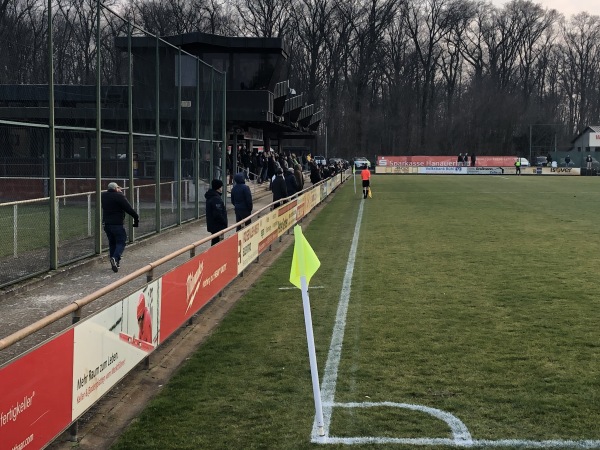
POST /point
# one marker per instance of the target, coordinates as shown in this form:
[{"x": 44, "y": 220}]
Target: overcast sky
[{"x": 567, "y": 7}]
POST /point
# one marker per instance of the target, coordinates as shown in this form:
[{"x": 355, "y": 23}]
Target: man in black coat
[
  {"x": 279, "y": 187},
  {"x": 114, "y": 207},
  {"x": 290, "y": 181},
  {"x": 216, "y": 214},
  {"x": 241, "y": 198}
]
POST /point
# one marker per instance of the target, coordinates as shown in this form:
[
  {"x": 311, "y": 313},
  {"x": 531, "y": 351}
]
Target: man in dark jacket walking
[
  {"x": 216, "y": 214},
  {"x": 114, "y": 207},
  {"x": 241, "y": 198}
]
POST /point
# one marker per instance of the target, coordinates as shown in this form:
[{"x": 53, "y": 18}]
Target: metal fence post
[{"x": 74, "y": 428}]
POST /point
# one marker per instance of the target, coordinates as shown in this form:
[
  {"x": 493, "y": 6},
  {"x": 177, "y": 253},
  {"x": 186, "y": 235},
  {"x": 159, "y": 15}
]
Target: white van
[{"x": 524, "y": 162}]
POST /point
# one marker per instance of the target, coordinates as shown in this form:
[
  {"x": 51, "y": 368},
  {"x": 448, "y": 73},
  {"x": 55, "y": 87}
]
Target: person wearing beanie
[
  {"x": 114, "y": 206},
  {"x": 278, "y": 187},
  {"x": 241, "y": 198},
  {"x": 216, "y": 214},
  {"x": 290, "y": 181}
]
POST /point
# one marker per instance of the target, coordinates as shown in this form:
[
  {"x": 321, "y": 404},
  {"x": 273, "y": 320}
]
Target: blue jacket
[{"x": 241, "y": 197}]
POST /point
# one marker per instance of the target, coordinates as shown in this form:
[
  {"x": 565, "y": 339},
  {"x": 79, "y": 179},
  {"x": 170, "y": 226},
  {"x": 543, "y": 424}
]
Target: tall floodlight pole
[{"x": 98, "y": 223}]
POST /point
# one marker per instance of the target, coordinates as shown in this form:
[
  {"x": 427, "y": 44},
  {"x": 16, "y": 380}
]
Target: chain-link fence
[{"x": 113, "y": 103}]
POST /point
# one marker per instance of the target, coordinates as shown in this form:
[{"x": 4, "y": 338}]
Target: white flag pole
[
  {"x": 354, "y": 176},
  {"x": 312, "y": 356}
]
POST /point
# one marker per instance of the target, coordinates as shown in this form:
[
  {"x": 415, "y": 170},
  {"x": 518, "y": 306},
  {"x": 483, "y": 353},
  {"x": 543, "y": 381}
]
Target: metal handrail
[{"x": 147, "y": 269}]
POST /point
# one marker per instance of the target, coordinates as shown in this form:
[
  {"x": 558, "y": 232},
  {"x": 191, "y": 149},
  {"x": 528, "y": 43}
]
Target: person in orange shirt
[{"x": 365, "y": 175}]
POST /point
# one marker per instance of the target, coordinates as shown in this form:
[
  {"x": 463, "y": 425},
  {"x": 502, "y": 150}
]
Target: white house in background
[{"x": 588, "y": 140}]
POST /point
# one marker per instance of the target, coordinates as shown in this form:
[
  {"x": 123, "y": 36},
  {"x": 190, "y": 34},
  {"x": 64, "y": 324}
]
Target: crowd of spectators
[{"x": 261, "y": 167}]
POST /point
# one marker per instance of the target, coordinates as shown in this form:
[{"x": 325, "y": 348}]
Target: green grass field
[{"x": 470, "y": 298}]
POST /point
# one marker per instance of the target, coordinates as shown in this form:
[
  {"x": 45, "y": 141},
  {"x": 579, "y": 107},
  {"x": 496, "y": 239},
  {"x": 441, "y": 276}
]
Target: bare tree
[
  {"x": 451, "y": 67},
  {"x": 580, "y": 81},
  {"x": 369, "y": 22},
  {"x": 537, "y": 39},
  {"x": 401, "y": 79},
  {"x": 265, "y": 18},
  {"x": 428, "y": 22},
  {"x": 23, "y": 41},
  {"x": 313, "y": 22}
]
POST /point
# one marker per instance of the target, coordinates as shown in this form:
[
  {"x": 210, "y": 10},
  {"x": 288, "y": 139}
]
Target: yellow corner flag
[{"x": 304, "y": 262}]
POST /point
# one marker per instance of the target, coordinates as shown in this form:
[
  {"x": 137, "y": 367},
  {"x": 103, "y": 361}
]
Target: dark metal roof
[{"x": 213, "y": 42}]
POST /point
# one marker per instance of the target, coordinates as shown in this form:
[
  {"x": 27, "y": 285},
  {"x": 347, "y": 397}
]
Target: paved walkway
[{"x": 29, "y": 301}]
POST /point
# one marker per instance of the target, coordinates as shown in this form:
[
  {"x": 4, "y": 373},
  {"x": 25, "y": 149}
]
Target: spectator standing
[
  {"x": 549, "y": 160},
  {"x": 290, "y": 181},
  {"x": 114, "y": 207},
  {"x": 278, "y": 187},
  {"x": 241, "y": 198},
  {"x": 473, "y": 158},
  {"x": 365, "y": 175},
  {"x": 271, "y": 167},
  {"x": 216, "y": 214},
  {"x": 315, "y": 174},
  {"x": 588, "y": 160},
  {"x": 567, "y": 160},
  {"x": 245, "y": 160},
  {"x": 466, "y": 159},
  {"x": 229, "y": 165},
  {"x": 263, "y": 167},
  {"x": 459, "y": 160},
  {"x": 299, "y": 176}
]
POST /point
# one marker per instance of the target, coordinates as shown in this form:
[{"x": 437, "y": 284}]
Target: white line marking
[
  {"x": 337, "y": 338},
  {"x": 459, "y": 431},
  {"x": 461, "y": 435}
]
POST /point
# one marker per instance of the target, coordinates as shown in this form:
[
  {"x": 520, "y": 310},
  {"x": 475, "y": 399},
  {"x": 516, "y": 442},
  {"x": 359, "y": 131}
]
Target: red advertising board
[
  {"x": 190, "y": 286},
  {"x": 433, "y": 161},
  {"x": 35, "y": 395}
]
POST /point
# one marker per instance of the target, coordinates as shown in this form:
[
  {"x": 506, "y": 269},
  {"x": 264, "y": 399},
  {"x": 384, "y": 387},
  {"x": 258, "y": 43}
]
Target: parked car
[
  {"x": 320, "y": 160},
  {"x": 361, "y": 161}
]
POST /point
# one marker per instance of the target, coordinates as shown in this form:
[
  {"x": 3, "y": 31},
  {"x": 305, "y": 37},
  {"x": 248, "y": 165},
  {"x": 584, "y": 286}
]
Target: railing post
[
  {"x": 150, "y": 275},
  {"x": 74, "y": 428},
  {"x": 15, "y": 230},
  {"x": 89, "y": 212}
]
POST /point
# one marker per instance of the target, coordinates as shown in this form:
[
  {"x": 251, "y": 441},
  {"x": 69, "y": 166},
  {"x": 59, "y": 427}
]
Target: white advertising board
[
  {"x": 111, "y": 343},
  {"x": 443, "y": 170}
]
